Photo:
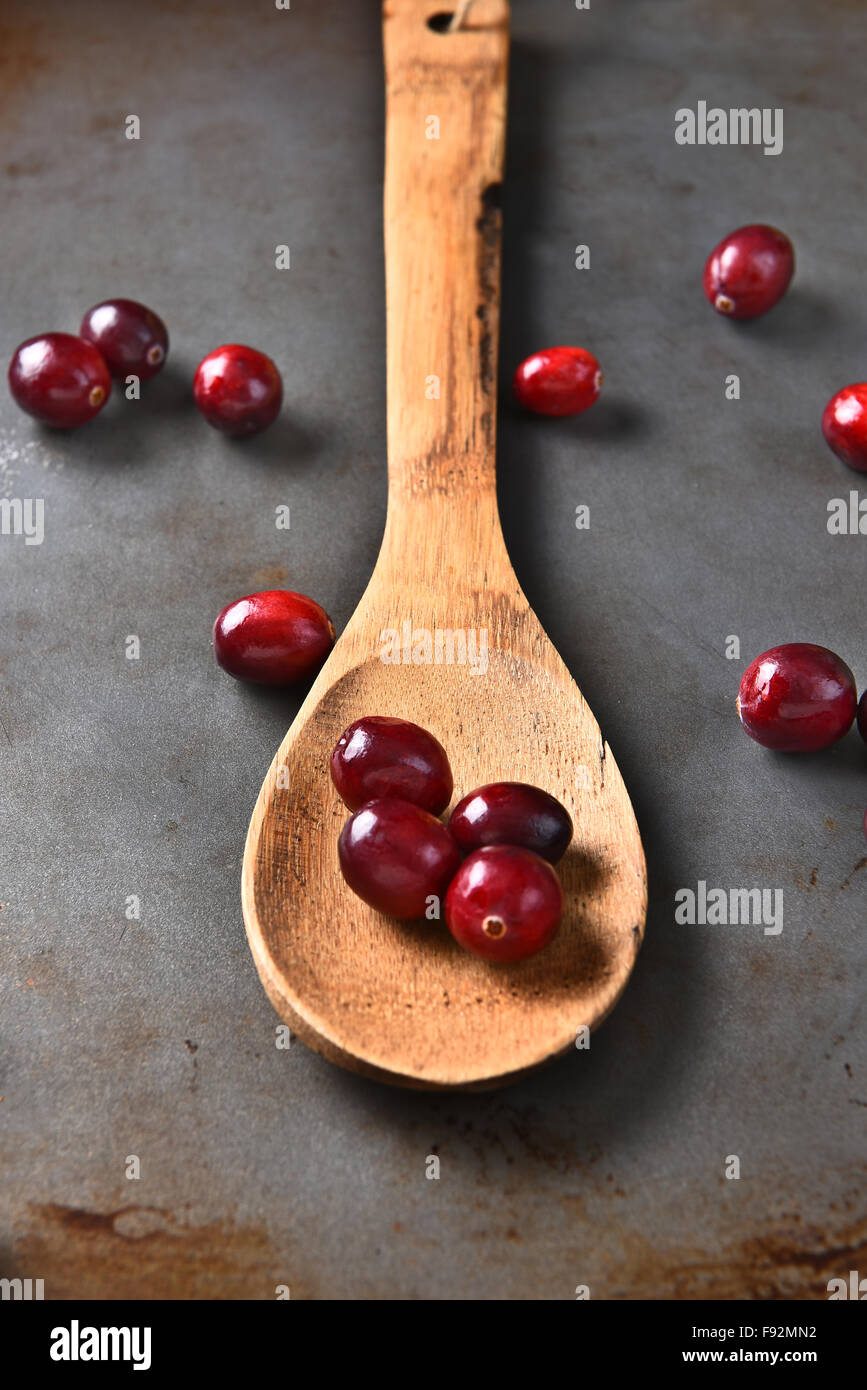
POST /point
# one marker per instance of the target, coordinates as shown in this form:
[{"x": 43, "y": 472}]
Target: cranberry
[
  {"x": 130, "y": 337},
  {"x": 238, "y": 390},
  {"x": 862, "y": 716},
  {"x": 797, "y": 698},
  {"x": 59, "y": 379},
  {"x": 273, "y": 638},
  {"x": 844, "y": 425},
  {"x": 504, "y": 903},
  {"x": 396, "y": 856},
  {"x": 749, "y": 272},
  {"x": 512, "y": 813},
  {"x": 377, "y": 756},
  {"x": 558, "y": 381}
]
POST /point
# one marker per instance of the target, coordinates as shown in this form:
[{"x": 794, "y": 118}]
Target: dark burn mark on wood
[
  {"x": 492, "y": 197},
  {"x": 488, "y": 225}
]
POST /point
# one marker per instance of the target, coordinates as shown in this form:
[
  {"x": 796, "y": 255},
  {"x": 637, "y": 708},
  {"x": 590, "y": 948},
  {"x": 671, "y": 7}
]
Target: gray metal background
[{"x": 118, "y": 777}]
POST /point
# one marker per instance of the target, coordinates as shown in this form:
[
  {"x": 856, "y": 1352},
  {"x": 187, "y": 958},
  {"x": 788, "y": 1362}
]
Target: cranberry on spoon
[
  {"x": 238, "y": 390},
  {"x": 273, "y": 638},
  {"x": 797, "y": 698},
  {"x": 504, "y": 903},
  {"x": 512, "y": 813},
  {"x": 749, "y": 271},
  {"x": 396, "y": 856},
  {"x": 59, "y": 379},
  {"x": 132, "y": 339},
  {"x": 379, "y": 756}
]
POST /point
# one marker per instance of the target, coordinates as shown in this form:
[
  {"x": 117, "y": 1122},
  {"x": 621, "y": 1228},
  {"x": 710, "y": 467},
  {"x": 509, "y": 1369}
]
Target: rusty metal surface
[{"x": 708, "y": 518}]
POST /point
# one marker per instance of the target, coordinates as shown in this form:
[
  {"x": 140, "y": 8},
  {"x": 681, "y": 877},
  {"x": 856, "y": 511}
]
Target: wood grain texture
[{"x": 393, "y": 1000}]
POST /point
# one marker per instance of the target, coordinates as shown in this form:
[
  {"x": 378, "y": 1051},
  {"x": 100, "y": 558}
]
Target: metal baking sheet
[{"x": 127, "y": 778}]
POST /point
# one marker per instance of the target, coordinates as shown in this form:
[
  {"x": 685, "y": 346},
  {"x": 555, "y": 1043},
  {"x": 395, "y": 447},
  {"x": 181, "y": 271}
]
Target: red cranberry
[
  {"x": 396, "y": 856},
  {"x": 512, "y": 813},
  {"x": 844, "y": 425},
  {"x": 273, "y": 638},
  {"x": 558, "y": 381},
  {"x": 749, "y": 272},
  {"x": 504, "y": 903},
  {"x": 59, "y": 379},
  {"x": 131, "y": 338},
  {"x": 238, "y": 390},
  {"x": 862, "y": 716},
  {"x": 377, "y": 756},
  {"x": 797, "y": 698}
]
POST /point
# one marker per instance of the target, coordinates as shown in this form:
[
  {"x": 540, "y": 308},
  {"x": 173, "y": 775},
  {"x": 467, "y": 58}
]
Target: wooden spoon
[{"x": 400, "y": 1001}]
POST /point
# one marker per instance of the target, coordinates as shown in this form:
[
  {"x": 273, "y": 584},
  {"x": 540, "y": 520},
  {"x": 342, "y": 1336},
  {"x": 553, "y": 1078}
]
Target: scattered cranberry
[
  {"x": 273, "y": 638},
  {"x": 558, "y": 381},
  {"x": 504, "y": 903},
  {"x": 512, "y": 813},
  {"x": 749, "y": 272},
  {"x": 59, "y": 379},
  {"x": 396, "y": 856},
  {"x": 797, "y": 698},
  {"x": 862, "y": 716},
  {"x": 238, "y": 390},
  {"x": 378, "y": 756},
  {"x": 844, "y": 425},
  {"x": 131, "y": 338}
]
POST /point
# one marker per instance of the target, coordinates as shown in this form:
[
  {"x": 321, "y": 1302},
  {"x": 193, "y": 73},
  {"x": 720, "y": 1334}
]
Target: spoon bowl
[{"x": 401, "y": 1001}]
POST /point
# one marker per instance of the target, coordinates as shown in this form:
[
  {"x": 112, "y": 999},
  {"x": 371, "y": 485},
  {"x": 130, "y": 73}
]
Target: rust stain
[
  {"x": 16, "y": 169},
  {"x": 141, "y": 1252},
  {"x": 862, "y": 864},
  {"x": 779, "y": 1264},
  {"x": 105, "y": 121},
  {"x": 22, "y": 57},
  {"x": 269, "y": 576},
  {"x": 192, "y": 1048},
  {"x": 762, "y": 965}
]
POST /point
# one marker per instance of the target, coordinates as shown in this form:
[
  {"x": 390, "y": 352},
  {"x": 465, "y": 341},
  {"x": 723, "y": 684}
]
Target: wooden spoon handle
[{"x": 445, "y": 135}]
